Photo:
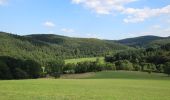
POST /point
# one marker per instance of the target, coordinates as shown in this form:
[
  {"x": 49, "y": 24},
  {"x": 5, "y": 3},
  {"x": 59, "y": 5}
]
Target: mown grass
[
  {"x": 128, "y": 75},
  {"x": 83, "y": 60},
  {"x": 115, "y": 87}
]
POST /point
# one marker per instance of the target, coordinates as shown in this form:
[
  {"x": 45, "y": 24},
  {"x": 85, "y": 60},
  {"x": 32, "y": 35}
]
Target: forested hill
[
  {"x": 87, "y": 46},
  {"x": 44, "y": 48},
  {"x": 142, "y": 41}
]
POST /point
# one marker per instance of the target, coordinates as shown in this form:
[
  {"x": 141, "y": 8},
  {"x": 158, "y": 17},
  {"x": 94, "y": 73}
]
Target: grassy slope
[
  {"x": 87, "y": 89},
  {"x": 83, "y": 60}
]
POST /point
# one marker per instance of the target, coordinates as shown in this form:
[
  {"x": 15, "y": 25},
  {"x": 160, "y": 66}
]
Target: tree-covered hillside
[
  {"x": 160, "y": 42},
  {"x": 44, "y": 48},
  {"x": 81, "y": 46},
  {"x": 145, "y": 41}
]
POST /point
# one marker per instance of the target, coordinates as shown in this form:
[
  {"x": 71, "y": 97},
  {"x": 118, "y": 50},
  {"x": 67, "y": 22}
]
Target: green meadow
[
  {"x": 118, "y": 85},
  {"x": 84, "y": 59}
]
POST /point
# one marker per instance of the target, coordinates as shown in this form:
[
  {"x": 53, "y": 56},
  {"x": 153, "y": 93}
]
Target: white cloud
[
  {"x": 49, "y": 24},
  {"x": 133, "y": 14},
  {"x": 66, "y": 30},
  {"x": 156, "y": 27},
  {"x": 2, "y": 2},
  {"x": 103, "y": 6},
  {"x": 139, "y": 15}
]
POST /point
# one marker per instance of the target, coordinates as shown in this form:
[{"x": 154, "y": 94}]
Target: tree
[
  {"x": 55, "y": 68},
  {"x": 33, "y": 69},
  {"x": 4, "y": 71},
  {"x": 69, "y": 68},
  {"x": 136, "y": 67},
  {"x": 167, "y": 68},
  {"x": 110, "y": 66},
  {"x": 124, "y": 65},
  {"x": 20, "y": 74}
]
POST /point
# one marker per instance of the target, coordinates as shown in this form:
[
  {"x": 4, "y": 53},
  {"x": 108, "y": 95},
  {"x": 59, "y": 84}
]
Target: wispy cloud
[
  {"x": 49, "y": 24},
  {"x": 134, "y": 15},
  {"x": 103, "y": 6},
  {"x": 67, "y": 30},
  {"x": 139, "y": 15},
  {"x": 3, "y": 2}
]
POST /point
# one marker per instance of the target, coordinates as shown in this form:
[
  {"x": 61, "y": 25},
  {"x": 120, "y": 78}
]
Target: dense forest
[
  {"x": 145, "y": 41},
  {"x": 150, "y": 59},
  {"x": 45, "y": 48},
  {"x": 35, "y": 56}
]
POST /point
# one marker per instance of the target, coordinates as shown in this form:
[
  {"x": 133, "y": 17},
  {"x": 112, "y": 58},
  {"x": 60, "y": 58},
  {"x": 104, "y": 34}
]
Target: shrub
[
  {"x": 69, "y": 68},
  {"x": 124, "y": 65},
  {"x": 136, "y": 67},
  {"x": 110, "y": 66}
]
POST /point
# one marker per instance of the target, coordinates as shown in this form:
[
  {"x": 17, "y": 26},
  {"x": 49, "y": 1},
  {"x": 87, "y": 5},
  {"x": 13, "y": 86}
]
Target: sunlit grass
[{"x": 118, "y": 86}]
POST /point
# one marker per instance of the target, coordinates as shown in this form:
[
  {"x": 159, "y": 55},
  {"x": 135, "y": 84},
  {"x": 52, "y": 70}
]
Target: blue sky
[{"x": 104, "y": 19}]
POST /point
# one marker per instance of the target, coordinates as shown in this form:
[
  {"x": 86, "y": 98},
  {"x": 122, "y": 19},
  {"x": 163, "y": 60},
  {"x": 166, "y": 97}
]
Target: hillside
[
  {"x": 142, "y": 41},
  {"x": 79, "y": 43},
  {"x": 159, "y": 42},
  {"x": 43, "y": 48}
]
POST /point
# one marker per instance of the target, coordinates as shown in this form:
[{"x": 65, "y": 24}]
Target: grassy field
[
  {"x": 118, "y": 86},
  {"x": 83, "y": 59},
  {"x": 128, "y": 75}
]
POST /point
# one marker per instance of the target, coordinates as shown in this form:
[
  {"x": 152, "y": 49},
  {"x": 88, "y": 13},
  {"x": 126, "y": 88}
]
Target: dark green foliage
[
  {"x": 136, "y": 67},
  {"x": 82, "y": 67},
  {"x": 142, "y": 41},
  {"x": 167, "y": 68},
  {"x": 69, "y": 68},
  {"x": 160, "y": 68},
  {"x": 33, "y": 69},
  {"x": 80, "y": 47},
  {"x": 124, "y": 65},
  {"x": 4, "y": 71},
  {"x": 55, "y": 68},
  {"x": 110, "y": 66},
  {"x": 150, "y": 59},
  {"x": 20, "y": 74},
  {"x": 45, "y": 48},
  {"x": 145, "y": 41},
  {"x": 12, "y": 68}
]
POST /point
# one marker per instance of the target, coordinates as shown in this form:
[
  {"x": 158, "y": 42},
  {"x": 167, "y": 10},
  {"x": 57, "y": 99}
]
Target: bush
[
  {"x": 69, "y": 68},
  {"x": 124, "y": 65},
  {"x": 148, "y": 67},
  {"x": 160, "y": 68},
  {"x": 110, "y": 66},
  {"x": 54, "y": 68},
  {"x": 82, "y": 67},
  {"x": 136, "y": 67}
]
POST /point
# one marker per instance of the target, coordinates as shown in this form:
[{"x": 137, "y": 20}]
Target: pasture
[
  {"x": 102, "y": 86},
  {"x": 83, "y": 60}
]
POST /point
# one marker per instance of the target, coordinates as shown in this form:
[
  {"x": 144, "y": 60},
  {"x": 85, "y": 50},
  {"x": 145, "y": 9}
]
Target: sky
[{"x": 103, "y": 19}]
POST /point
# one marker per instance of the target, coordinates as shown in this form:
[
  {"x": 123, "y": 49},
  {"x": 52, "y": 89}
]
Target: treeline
[
  {"x": 12, "y": 68},
  {"x": 150, "y": 59},
  {"x": 57, "y": 68}
]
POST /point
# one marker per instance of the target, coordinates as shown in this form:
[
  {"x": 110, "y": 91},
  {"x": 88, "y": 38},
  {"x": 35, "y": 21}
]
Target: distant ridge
[{"x": 144, "y": 41}]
